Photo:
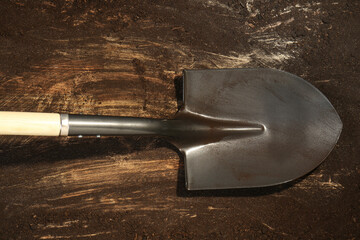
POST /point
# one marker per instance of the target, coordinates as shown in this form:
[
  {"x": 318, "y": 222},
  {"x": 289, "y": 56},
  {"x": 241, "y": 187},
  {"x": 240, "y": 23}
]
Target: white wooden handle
[{"x": 29, "y": 123}]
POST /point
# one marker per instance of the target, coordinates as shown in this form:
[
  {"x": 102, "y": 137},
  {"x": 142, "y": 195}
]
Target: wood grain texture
[{"x": 125, "y": 58}]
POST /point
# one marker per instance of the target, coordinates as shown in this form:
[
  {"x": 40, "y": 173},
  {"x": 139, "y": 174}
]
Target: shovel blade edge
[{"x": 301, "y": 127}]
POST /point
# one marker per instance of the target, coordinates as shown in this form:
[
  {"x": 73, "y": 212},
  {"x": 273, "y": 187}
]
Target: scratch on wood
[
  {"x": 250, "y": 8},
  {"x": 63, "y": 225},
  {"x": 274, "y": 25},
  {"x": 316, "y": 180},
  {"x": 266, "y": 225},
  {"x": 323, "y": 81},
  {"x": 73, "y": 236},
  {"x": 214, "y": 208},
  {"x": 76, "y": 194},
  {"x": 308, "y": 7}
]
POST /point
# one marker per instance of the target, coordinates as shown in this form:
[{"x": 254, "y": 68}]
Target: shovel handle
[
  {"x": 30, "y": 123},
  {"x": 90, "y": 125},
  {"x": 55, "y": 124}
]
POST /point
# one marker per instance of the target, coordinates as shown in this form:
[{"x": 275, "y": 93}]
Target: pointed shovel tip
[{"x": 301, "y": 128}]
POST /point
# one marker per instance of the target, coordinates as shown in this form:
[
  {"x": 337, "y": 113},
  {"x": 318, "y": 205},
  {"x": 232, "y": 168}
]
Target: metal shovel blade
[{"x": 265, "y": 127}]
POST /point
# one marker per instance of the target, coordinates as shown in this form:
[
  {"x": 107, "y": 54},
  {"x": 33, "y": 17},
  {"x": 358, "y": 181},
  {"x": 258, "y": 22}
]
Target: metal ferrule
[{"x": 64, "y": 124}]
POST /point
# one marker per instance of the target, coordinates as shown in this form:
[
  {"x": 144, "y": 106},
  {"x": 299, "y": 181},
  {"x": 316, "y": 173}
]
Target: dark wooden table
[{"x": 125, "y": 58}]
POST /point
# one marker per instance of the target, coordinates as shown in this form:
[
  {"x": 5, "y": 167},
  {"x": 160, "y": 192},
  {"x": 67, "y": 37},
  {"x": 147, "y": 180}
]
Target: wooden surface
[{"x": 125, "y": 59}]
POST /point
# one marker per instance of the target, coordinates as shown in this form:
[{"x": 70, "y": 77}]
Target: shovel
[{"x": 237, "y": 128}]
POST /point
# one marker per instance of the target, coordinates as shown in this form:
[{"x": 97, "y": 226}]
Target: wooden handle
[{"x": 28, "y": 123}]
